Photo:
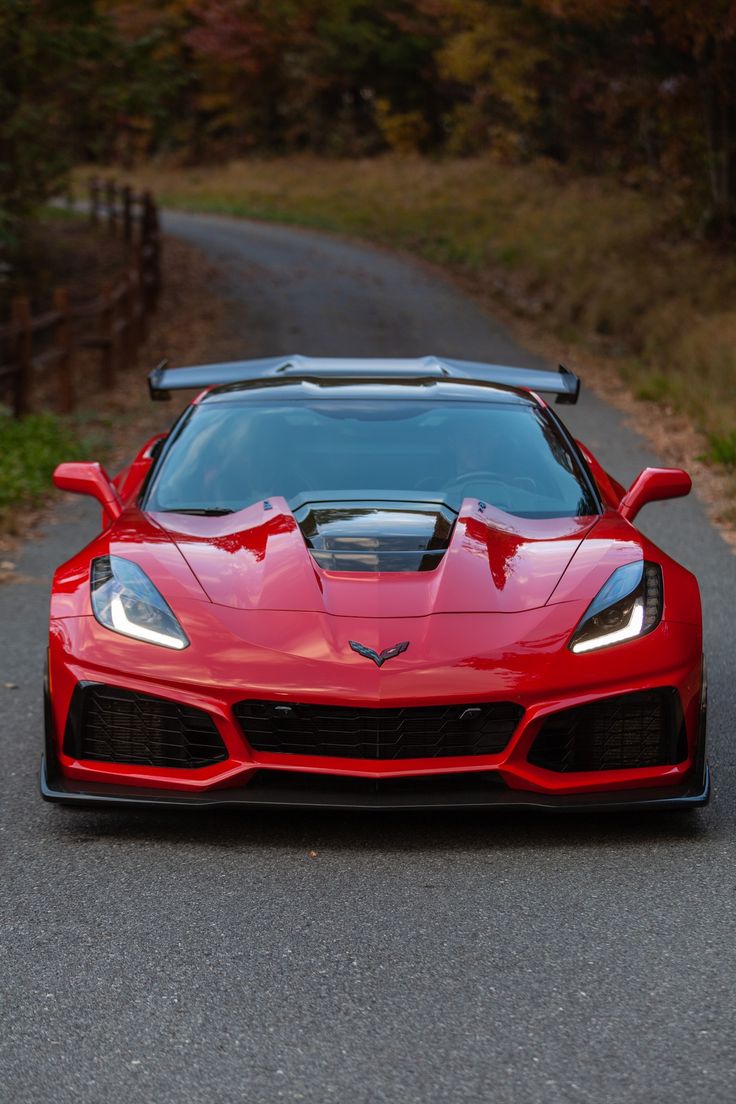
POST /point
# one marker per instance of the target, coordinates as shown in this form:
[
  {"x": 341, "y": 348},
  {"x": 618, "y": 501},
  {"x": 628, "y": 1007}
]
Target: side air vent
[
  {"x": 360, "y": 536},
  {"x": 642, "y": 729},
  {"x": 121, "y": 726}
]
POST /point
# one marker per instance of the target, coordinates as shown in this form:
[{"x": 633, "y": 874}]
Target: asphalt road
[{"x": 417, "y": 958}]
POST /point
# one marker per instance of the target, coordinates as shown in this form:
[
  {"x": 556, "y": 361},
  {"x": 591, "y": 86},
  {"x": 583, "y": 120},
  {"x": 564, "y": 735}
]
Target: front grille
[
  {"x": 423, "y": 732},
  {"x": 643, "y": 729},
  {"x": 122, "y": 726}
]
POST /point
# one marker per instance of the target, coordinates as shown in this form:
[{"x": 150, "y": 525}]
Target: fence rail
[{"x": 114, "y": 322}]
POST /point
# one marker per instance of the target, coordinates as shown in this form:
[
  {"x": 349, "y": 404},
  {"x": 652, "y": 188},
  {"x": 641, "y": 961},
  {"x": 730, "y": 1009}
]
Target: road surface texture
[{"x": 417, "y": 958}]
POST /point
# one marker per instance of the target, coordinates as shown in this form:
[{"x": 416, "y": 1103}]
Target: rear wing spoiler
[{"x": 563, "y": 383}]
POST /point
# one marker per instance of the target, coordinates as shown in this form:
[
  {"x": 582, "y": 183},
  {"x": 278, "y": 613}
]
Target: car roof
[{"x": 384, "y": 387}]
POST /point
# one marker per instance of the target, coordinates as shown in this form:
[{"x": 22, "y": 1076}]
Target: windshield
[{"x": 225, "y": 456}]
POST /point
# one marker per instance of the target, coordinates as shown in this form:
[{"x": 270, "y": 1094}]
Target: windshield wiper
[{"x": 202, "y": 511}]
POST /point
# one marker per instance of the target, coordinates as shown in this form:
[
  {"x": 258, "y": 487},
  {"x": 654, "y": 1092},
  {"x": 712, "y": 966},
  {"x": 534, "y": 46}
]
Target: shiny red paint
[
  {"x": 652, "y": 485},
  {"x": 493, "y": 621},
  {"x": 235, "y": 654},
  {"x": 257, "y": 559},
  {"x": 90, "y": 479}
]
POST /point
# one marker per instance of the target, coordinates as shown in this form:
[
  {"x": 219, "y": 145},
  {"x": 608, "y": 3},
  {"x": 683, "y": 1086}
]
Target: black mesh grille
[
  {"x": 424, "y": 732},
  {"x": 120, "y": 726},
  {"x": 643, "y": 729}
]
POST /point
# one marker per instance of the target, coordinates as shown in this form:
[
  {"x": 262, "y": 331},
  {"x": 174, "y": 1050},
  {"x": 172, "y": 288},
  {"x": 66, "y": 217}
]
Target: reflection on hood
[{"x": 381, "y": 560}]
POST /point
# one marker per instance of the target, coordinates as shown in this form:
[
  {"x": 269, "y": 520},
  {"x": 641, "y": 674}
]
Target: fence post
[
  {"x": 107, "y": 338},
  {"x": 63, "y": 342},
  {"x": 22, "y": 353},
  {"x": 127, "y": 347},
  {"x": 127, "y": 194},
  {"x": 136, "y": 311},
  {"x": 156, "y": 258},
  {"x": 122, "y": 308},
  {"x": 146, "y": 214},
  {"x": 142, "y": 291},
  {"x": 111, "y": 197},
  {"x": 94, "y": 200},
  {"x": 135, "y": 274},
  {"x": 151, "y": 251}
]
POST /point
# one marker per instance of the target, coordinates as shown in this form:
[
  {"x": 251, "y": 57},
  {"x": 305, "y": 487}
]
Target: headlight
[
  {"x": 125, "y": 600},
  {"x": 627, "y": 606}
]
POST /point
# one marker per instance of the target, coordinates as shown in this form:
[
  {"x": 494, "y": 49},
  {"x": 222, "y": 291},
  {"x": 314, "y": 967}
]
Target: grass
[
  {"x": 31, "y": 448},
  {"x": 593, "y": 263},
  {"x": 57, "y": 212},
  {"x": 723, "y": 448}
]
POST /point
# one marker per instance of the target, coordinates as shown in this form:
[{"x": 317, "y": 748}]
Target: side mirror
[
  {"x": 90, "y": 479},
  {"x": 651, "y": 485}
]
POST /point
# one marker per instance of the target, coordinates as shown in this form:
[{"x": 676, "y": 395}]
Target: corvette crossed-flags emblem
[{"x": 379, "y": 658}]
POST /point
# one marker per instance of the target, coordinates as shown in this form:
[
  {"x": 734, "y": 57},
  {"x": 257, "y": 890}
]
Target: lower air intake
[
  {"x": 422, "y": 732},
  {"x": 643, "y": 729},
  {"x": 122, "y": 726}
]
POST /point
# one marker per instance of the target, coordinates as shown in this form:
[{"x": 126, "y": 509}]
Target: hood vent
[{"x": 378, "y": 536}]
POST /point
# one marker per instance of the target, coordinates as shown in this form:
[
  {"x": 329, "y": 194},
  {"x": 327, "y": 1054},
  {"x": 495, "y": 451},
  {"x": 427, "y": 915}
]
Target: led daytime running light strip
[
  {"x": 123, "y": 624},
  {"x": 628, "y": 632}
]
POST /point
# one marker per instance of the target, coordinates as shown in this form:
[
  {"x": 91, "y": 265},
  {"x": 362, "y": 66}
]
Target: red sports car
[{"x": 373, "y": 583}]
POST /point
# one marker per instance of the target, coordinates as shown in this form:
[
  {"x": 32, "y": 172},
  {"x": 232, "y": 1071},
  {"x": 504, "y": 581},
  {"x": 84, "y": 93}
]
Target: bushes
[
  {"x": 723, "y": 448},
  {"x": 403, "y": 131},
  {"x": 30, "y": 450}
]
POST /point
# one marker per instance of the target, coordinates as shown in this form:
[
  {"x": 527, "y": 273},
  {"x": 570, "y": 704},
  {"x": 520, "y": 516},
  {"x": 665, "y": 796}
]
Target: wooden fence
[{"x": 114, "y": 323}]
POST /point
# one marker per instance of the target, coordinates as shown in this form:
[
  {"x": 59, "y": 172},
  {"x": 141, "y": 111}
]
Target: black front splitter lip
[{"x": 69, "y": 792}]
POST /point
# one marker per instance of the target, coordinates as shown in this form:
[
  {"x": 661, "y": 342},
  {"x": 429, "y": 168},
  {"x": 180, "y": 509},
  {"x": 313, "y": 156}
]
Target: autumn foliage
[{"x": 645, "y": 89}]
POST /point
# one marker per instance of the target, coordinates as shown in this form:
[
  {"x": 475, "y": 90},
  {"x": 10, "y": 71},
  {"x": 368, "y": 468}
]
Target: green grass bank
[{"x": 31, "y": 448}]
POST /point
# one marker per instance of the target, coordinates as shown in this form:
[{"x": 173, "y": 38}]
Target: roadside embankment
[{"x": 107, "y": 424}]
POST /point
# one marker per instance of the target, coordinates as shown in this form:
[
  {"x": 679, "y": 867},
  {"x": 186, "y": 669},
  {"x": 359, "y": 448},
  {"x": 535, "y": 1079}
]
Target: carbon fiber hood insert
[{"x": 380, "y": 536}]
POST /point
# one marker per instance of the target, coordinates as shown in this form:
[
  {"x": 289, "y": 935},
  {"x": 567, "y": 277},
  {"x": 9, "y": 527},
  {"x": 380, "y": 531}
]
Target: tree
[
  {"x": 47, "y": 51},
  {"x": 280, "y": 74}
]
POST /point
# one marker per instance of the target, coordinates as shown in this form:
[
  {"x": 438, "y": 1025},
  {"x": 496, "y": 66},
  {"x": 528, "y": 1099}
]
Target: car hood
[{"x": 258, "y": 559}]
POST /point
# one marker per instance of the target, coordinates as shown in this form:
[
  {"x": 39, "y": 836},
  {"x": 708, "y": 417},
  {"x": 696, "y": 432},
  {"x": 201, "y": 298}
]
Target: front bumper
[
  {"x": 321, "y": 792},
  {"x": 212, "y": 682}
]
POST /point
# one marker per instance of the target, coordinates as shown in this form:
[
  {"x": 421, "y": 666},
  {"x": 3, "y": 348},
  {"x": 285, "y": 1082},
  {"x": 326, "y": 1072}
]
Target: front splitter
[{"x": 325, "y": 792}]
